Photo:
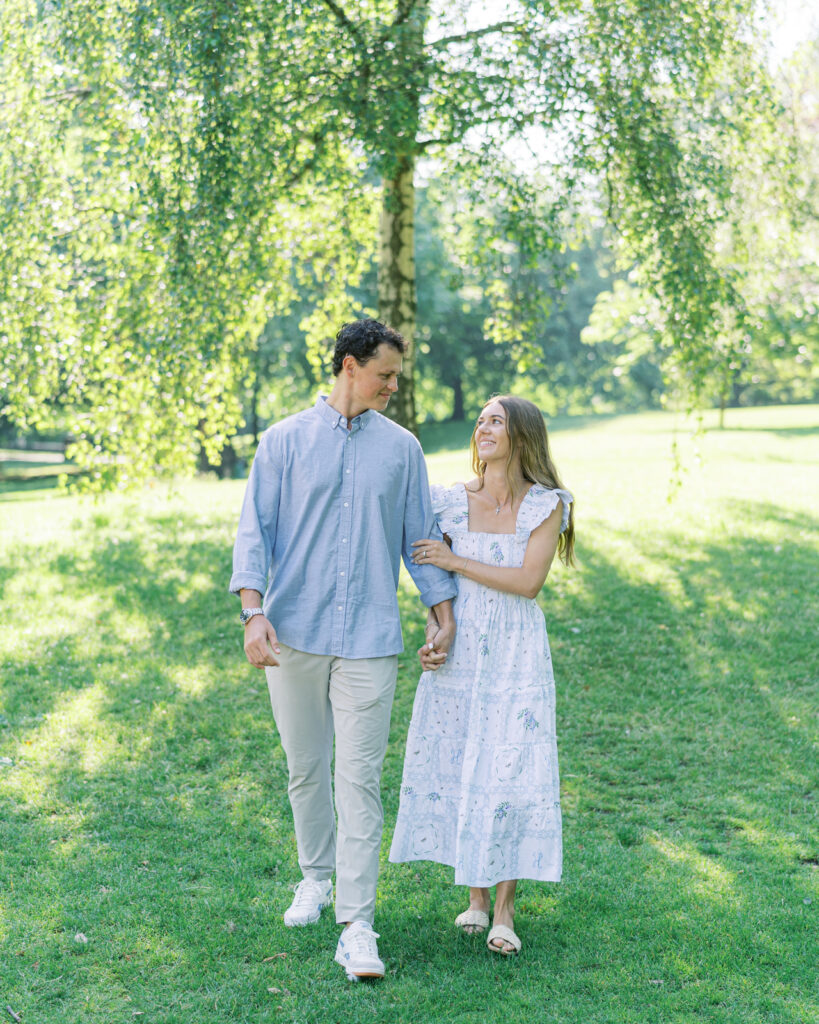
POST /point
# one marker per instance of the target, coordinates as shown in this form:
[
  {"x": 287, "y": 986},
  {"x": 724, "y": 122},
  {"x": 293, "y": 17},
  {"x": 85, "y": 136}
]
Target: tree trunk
[
  {"x": 396, "y": 279},
  {"x": 457, "y": 400},
  {"x": 224, "y": 468},
  {"x": 254, "y": 402}
]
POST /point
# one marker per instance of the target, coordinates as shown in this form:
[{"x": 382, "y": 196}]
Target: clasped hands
[{"x": 438, "y": 638}]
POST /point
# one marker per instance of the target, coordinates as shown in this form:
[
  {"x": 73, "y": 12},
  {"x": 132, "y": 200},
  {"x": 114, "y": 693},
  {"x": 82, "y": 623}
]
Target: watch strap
[{"x": 247, "y": 614}]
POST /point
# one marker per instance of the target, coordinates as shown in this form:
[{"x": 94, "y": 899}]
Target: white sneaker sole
[
  {"x": 364, "y": 972},
  {"x": 361, "y": 975}
]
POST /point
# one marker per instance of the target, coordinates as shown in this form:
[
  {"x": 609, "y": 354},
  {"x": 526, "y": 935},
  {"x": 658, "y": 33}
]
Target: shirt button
[
  {"x": 339, "y": 607},
  {"x": 346, "y": 503},
  {"x": 348, "y": 470},
  {"x": 341, "y": 573},
  {"x": 343, "y": 540}
]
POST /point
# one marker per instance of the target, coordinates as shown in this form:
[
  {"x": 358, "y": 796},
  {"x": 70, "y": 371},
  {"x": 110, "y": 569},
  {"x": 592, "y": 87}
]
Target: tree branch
[
  {"x": 479, "y": 122},
  {"x": 76, "y": 92},
  {"x": 477, "y": 33},
  {"x": 101, "y": 208},
  {"x": 343, "y": 19},
  {"x": 403, "y": 12},
  {"x": 295, "y": 175}
]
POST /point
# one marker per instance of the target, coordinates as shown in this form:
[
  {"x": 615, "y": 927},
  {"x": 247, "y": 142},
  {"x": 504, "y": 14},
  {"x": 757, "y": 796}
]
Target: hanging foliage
[{"x": 178, "y": 173}]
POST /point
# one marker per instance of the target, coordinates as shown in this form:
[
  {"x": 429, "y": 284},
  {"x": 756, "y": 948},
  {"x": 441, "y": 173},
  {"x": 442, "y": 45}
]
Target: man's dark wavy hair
[{"x": 360, "y": 338}]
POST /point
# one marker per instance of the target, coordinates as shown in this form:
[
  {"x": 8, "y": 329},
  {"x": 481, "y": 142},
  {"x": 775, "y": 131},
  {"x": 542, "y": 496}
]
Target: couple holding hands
[{"x": 336, "y": 496}]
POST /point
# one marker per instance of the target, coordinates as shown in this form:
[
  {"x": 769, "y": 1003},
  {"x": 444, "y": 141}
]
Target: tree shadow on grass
[
  {"x": 158, "y": 811},
  {"x": 786, "y": 432},
  {"x": 20, "y": 490}
]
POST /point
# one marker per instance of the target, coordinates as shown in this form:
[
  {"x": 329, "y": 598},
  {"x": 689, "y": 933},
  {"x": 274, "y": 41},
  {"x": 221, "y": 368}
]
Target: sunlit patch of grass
[
  {"x": 71, "y": 731},
  {"x": 708, "y": 877}
]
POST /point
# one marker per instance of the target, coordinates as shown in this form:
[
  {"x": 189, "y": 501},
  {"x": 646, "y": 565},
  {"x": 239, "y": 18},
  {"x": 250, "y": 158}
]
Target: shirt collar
[{"x": 334, "y": 418}]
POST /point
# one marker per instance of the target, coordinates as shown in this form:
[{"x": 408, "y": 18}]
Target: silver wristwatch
[{"x": 247, "y": 614}]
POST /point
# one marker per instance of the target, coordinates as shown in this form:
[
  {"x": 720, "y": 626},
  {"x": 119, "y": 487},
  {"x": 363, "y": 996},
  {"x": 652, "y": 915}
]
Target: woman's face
[{"x": 491, "y": 435}]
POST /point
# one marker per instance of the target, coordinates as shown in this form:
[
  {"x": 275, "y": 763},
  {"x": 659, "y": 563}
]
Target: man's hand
[
  {"x": 261, "y": 642},
  {"x": 441, "y": 636}
]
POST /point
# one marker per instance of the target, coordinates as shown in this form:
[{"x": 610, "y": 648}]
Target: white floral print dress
[{"x": 480, "y": 789}]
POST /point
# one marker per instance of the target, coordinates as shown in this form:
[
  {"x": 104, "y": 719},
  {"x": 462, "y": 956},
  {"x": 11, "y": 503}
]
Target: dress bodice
[{"x": 451, "y": 508}]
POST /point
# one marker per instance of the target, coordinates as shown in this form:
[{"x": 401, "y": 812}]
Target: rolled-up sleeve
[
  {"x": 255, "y": 538},
  {"x": 434, "y": 584}
]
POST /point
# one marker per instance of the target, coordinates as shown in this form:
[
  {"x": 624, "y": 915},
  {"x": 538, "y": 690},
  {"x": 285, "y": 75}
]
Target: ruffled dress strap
[
  {"x": 450, "y": 507},
  {"x": 539, "y": 504}
]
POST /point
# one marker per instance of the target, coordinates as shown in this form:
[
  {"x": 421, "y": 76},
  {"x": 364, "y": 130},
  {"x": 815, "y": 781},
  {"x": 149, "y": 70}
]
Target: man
[{"x": 337, "y": 494}]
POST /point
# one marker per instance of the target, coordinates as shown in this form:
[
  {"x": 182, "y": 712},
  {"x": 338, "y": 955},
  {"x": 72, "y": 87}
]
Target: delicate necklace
[{"x": 498, "y": 509}]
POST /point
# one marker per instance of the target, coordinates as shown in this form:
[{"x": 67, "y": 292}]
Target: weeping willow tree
[{"x": 175, "y": 174}]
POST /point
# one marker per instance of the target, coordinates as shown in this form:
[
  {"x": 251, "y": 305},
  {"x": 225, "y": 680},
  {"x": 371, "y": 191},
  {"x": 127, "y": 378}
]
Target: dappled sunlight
[
  {"x": 148, "y": 788},
  {"x": 780, "y": 837},
  {"x": 708, "y": 878},
  {"x": 72, "y": 617},
  {"x": 124, "y": 630},
  {"x": 72, "y": 731},
  {"x": 636, "y": 556},
  {"x": 192, "y": 680},
  {"x": 797, "y": 716},
  {"x": 752, "y": 833},
  {"x": 198, "y": 582}
]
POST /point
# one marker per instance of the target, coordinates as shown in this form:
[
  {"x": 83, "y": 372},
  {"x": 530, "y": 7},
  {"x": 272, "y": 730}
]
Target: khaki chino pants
[{"x": 315, "y": 697}]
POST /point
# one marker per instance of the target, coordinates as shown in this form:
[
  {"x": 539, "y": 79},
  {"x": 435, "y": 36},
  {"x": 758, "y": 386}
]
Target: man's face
[{"x": 374, "y": 383}]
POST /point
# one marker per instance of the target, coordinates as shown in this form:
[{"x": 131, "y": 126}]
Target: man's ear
[{"x": 349, "y": 364}]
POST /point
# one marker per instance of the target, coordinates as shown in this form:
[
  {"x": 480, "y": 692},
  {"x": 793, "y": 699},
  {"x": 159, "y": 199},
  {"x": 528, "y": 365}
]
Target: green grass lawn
[{"x": 146, "y": 851}]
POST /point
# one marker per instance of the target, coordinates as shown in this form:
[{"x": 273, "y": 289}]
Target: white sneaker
[
  {"x": 310, "y": 899},
  {"x": 357, "y": 952}
]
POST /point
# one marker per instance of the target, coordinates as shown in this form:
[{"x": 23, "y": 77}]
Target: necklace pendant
[{"x": 497, "y": 510}]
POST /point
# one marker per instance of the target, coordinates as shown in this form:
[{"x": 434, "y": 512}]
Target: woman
[{"x": 480, "y": 789}]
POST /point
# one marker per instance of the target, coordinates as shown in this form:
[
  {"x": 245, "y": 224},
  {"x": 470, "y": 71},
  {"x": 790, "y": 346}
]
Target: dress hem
[{"x": 480, "y": 884}]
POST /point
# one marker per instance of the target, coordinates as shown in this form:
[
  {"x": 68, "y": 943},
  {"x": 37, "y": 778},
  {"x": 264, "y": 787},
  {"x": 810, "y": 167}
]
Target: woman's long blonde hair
[{"x": 529, "y": 441}]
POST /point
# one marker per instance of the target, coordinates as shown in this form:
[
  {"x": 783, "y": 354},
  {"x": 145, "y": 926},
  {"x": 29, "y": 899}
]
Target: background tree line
[{"x": 596, "y": 205}]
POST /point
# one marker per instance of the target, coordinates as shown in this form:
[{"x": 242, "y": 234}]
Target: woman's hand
[
  {"x": 434, "y": 552},
  {"x": 431, "y": 659}
]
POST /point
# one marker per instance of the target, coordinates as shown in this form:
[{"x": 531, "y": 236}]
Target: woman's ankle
[
  {"x": 504, "y": 913},
  {"x": 479, "y": 899}
]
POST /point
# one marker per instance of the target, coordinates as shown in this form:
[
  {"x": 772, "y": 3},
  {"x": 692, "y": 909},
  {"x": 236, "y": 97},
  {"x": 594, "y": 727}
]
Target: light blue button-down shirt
[{"x": 328, "y": 513}]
